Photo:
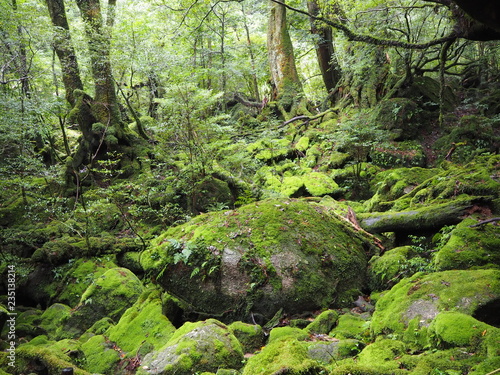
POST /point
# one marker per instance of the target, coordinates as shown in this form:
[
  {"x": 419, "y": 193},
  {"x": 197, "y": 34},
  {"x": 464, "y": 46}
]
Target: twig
[{"x": 485, "y": 222}]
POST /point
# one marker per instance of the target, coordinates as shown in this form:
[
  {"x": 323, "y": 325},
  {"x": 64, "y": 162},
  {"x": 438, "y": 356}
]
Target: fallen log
[{"x": 423, "y": 218}]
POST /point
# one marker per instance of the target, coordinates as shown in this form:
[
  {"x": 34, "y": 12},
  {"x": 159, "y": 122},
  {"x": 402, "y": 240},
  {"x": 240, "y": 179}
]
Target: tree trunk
[
  {"x": 64, "y": 49},
  {"x": 105, "y": 105},
  {"x": 281, "y": 58},
  {"x": 325, "y": 52},
  {"x": 425, "y": 218}
]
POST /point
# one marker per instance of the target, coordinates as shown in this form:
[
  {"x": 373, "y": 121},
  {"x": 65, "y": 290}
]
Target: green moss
[
  {"x": 351, "y": 326},
  {"x": 109, "y": 296},
  {"x": 53, "y": 318},
  {"x": 385, "y": 270},
  {"x": 76, "y": 279},
  {"x": 323, "y": 323},
  {"x": 470, "y": 247},
  {"x": 302, "y": 144},
  {"x": 270, "y": 149},
  {"x": 48, "y": 355},
  {"x": 279, "y": 333},
  {"x": 382, "y": 355},
  {"x": 423, "y": 297},
  {"x": 286, "y": 356},
  {"x": 280, "y": 253},
  {"x": 196, "y": 347},
  {"x": 142, "y": 324},
  {"x": 451, "y": 361},
  {"x": 100, "y": 356},
  {"x": 394, "y": 183},
  {"x": 250, "y": 336},
  {"x": 451, "y": 328}
]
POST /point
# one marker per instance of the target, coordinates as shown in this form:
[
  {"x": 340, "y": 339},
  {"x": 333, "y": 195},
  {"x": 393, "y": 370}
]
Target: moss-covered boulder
[
  {"x": 409, "y": 309},
  {"x": 470, "y": 137},
  {"x": 250, "y": 336},
  {"x": 142, "y": 327},
  {"x": 468, "y": 247},
  {"x": 283, "y": 356},
  {"x": 196, "y": 347},
  {"x": 273, "y": 254},
  {"x": 352, "y": 326},
  {"x": 387, "y": 269},
  {"x": 288, "y": 180},
  {"x": 100, "y": 355},
  {"x": 109, "y": 296},
  {"x": 323, "y": 323},
  {"x": 400, "y": 116},
  {"x": 452, "y": 328},
  {"x": 43, "y": 356}
]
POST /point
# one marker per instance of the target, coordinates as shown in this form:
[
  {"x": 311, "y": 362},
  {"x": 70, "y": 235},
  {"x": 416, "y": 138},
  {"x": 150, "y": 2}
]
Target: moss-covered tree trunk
[
  {"x": 105, "y": 104},
  {"x": 284, "y": 74}
]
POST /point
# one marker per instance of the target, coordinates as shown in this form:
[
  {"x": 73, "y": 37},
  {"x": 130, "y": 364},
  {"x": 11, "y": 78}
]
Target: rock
[
  {"x": 467, "y": 247},
  {"x": 279, "y": 333},
  {"x": 44, "y": 356},
  {"x": 273, "y": 254},
  {"x": 195, "y": 347},
  {"x": 100, "y": 355},
  {"x": 109, "y": 296},
  {"x": 352, "y": 326},
  {"x": 410, "y": 308},
  {"x": 283, "y": 356},
  {"x": 387, "y": 269},
  {"x": 323, "y": 323},
  {"x": 142, "y": 325},
  {"x": 400, "y": 116},
  {"x": 329, "y": 352},
  {"x": 250, "y": 336}
]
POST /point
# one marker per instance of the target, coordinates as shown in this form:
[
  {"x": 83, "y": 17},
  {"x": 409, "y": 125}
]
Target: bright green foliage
[
  {"x": 51, "y": 354},
  {"x": 52, "y": 317},
  {"x": 382, "y": 354},
  {"x": 279, "y": 333},
  {"x": 451, "y": 328}
]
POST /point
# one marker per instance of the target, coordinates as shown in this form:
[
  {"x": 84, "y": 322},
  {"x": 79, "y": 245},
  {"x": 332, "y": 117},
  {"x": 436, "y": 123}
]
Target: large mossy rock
[
  {"x": 194, "y": 348},
  {"x": 143, "y": 326},
  {"x": 109, "y": 296},
  {"x": 400, "y": 116},
  {"x": 411, "y": 307},
  {"x": 468, "y": 246},
  {"x": 290, "y": 254}
]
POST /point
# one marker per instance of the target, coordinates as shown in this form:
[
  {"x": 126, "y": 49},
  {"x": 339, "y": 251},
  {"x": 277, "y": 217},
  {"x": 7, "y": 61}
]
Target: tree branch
[{"x": 370, "y": 39}]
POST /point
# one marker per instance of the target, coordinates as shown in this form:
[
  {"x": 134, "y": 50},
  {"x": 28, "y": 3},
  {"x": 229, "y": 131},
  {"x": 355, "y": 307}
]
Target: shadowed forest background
[{"x": 250, "y": 187}]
